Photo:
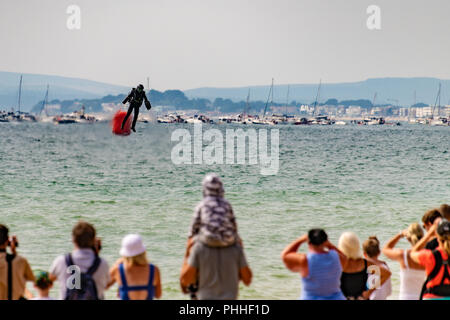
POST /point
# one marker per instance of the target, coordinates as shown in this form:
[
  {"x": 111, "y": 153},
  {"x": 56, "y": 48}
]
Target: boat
[
  {"x": 264, "y": 120},
  {"x": 199, "y": 119},
  {"x": 171, "y": 118},
  {"x": 441, "y": 121},
  {"x": 20, "y": 115},
  {"x": 375, "y": 121},
  {"x": 63, "y": 119},
  {"x": 302, "y": 121},
  {"x": 47, "y": 117},
  {"x": 323, "y": 120},
  {"x": 74, "y": 117},
  {"x": 437, "y": 121}
]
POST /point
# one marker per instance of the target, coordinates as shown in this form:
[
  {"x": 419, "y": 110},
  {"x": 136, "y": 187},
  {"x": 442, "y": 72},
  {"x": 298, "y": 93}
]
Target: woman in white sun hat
[{"x": 137, "y": 278}]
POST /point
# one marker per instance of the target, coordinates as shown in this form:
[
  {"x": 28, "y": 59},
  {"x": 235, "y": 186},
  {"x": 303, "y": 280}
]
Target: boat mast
[
  {"x": 287, "y": 100},
  {"x": 409, "y": 110},
  {"x": 317, "y": 97},
  {"x": 270, "y": 93},
  {"x": 438, "y": 98},
  {"x": 247, "y": 105},
  {"x": 20, "y": 92},
  {"x": 44, "y": 103}
]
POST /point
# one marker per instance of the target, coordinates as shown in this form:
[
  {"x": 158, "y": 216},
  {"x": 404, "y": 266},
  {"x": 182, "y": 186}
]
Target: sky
[{"x": 185, "y": 44}]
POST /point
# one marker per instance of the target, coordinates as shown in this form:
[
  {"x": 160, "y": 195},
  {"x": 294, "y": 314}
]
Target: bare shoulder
[{"x": 117, "y": 263}]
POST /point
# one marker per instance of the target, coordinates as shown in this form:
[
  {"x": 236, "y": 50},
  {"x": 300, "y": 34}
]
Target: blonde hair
[
  {"x": 414, "y": 233},
  {"x": 445, "y": 242},
  {"x": 139, "y": 260},
  {"x": 350, "y": 246}
]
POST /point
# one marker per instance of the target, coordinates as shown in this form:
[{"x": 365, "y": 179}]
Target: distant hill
[
  {"x": 388, "y": 91},
  {"x": 62, "y": 88}
]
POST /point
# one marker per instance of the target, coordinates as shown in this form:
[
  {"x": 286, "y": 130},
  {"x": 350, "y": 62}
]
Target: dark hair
[
  {"x": 83, "y": 235},
  {"x": 43, "y": 280},
  {"x": 444, "y": 209},
  {"x": 430, "y": 216},
  {"x": 317, "y": 236},
  {"x": 372, "y": 247},
  {"x": 3, "y": 234}
]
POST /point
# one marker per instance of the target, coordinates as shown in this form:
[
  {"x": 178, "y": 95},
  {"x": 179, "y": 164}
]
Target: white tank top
[
  {"x": 411, "y": 281},
  {"x": 384, "y": 291}
]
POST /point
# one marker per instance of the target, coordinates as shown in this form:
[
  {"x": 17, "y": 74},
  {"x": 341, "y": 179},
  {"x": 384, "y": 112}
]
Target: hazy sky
[{"x": 185, "y": 44}]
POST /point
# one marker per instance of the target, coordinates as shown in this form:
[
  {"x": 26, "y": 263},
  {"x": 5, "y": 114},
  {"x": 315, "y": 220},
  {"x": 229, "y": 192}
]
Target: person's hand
[
  {"x": 404, "y": 233},
  {"x": 433, "y": 228},
  {"x": 437, "y": 221},
  {"x": 365, "y": 295},
  {"x": 328, "y": 244},
  {"x": 98, "y": 245},
  {"x": 13, "y": 243}
]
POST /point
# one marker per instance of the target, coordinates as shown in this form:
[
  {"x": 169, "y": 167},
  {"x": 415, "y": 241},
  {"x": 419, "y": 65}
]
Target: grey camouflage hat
[
  {"x": 212, "y": 185},
  {"x": 443, "y": 228}
]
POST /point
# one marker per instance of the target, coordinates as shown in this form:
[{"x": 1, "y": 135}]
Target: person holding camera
[
  {"x": 82, "y": 274},
  {"x": 15, "y": 270}
]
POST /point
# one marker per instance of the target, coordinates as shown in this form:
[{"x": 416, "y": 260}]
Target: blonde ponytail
[
  {"x": 415, "y": 233},
  {"x": 446, "y": 243}
]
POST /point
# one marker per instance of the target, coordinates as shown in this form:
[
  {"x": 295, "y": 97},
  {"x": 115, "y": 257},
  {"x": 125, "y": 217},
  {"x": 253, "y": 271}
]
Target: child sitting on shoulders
[{"x": 214, "y": 223}]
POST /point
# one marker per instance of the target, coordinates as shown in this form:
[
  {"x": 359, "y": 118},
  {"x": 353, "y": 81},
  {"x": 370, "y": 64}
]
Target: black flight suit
[{"x": 135, "y": 98}]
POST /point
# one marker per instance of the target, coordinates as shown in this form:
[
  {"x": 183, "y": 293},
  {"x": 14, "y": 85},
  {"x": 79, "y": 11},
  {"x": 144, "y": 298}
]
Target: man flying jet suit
[{"x": 135, "y": 98}]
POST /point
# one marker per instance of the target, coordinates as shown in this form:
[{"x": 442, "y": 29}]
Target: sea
[{"x": 372, "y": 180}]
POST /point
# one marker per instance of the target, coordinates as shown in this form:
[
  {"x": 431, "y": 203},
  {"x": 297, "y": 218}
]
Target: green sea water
[{"x": 373, "y": 180}]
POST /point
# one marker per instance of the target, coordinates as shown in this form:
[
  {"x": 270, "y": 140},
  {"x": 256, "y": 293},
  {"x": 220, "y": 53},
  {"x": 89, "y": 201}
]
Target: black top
[
  {"x": 136, "y": 97},
  {"x": 354, "y": 284},
  {"x": 432, "y": 244}
]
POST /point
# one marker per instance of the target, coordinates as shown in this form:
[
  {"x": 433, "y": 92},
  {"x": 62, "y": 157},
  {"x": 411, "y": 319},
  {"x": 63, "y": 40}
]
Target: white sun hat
[{"x": 132, "y": 245}]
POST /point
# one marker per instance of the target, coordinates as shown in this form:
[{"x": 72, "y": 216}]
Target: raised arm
[
  {"x": 390, "y": 252},
  {"x": 342, "y": 257},
  {"x": 296, "y": 262},
  {"x": 415, "y": 252}
]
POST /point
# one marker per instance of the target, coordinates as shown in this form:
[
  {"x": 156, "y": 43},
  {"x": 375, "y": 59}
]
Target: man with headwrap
[{"x": 135, "y": 98}]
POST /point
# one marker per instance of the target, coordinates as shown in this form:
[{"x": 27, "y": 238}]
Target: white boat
[
  {"x": 439, "y": 122},
  {"x": 373, "y": 121}
]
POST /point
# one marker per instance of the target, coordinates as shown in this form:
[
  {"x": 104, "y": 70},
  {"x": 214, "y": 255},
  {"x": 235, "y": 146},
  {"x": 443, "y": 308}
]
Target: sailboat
[
  {"x": 45, "y": 118},
  {"x": 270, "y": 121},
  {"x": 244, "y": 119},
  {"x": 19, "y": 115},
  {"x": 320, "y": 119},
  {"x": 438, "y": 121},
  {"x": 263, "y": 118}
]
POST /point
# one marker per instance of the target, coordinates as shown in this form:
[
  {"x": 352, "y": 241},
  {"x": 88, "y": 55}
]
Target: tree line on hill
[{"x": 178, "y": 100}]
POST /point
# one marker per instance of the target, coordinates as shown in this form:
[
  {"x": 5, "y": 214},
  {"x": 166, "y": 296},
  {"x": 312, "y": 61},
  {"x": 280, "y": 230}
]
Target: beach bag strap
[
  {"x": 94, "y": 266},
  {"x": 9, "y": 259}
]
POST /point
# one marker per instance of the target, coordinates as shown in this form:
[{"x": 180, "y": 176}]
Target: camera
[{"x": 13, "y": 241}]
